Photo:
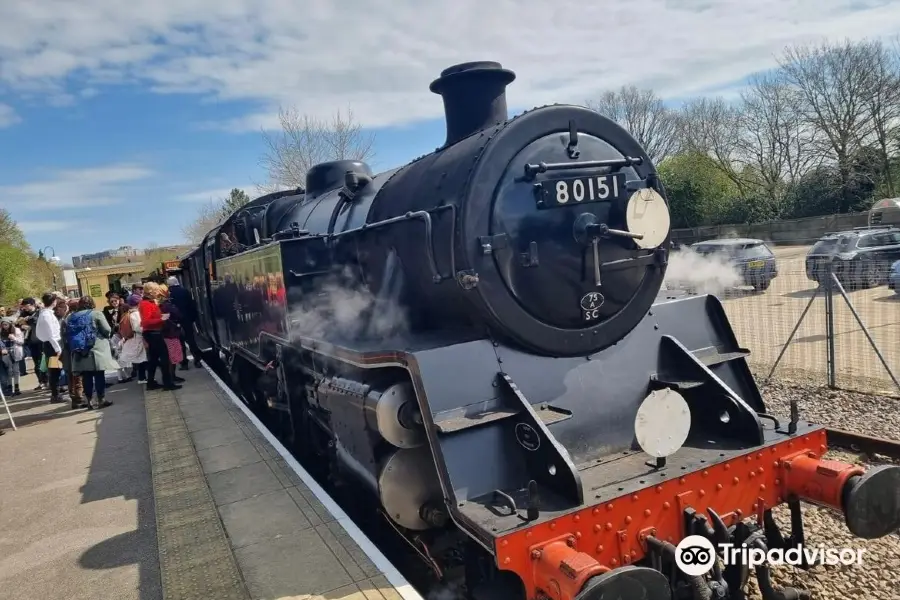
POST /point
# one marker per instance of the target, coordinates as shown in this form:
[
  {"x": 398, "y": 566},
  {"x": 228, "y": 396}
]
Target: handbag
[{"x": 54, "y": 363}]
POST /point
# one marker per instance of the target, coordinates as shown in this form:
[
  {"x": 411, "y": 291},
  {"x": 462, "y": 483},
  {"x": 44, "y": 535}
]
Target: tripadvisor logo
[{"x": 695, "y": 555}]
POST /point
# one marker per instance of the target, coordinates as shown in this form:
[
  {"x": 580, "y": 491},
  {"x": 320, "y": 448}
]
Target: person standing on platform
[
  {"x": 187, "y": 309},
  {"x": 47, "y": 332},
  {"x": 152, "y": 321},
  {"x": 133, "y": 353},
  {"x": 113, "y": 311},
  {"x": 28, "y": 317},
  {"x": 11, "y": 351},
  {"x": 61, "y": 311},
  {"x": 88, "y": 336},
  {"x": 76, "y": 384},
  {"x": 171, "y": 333}
]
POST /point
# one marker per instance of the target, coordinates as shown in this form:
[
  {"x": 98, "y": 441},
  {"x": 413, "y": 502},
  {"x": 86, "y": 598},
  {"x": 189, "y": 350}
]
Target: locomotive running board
[{"x": 474, "y": 415}]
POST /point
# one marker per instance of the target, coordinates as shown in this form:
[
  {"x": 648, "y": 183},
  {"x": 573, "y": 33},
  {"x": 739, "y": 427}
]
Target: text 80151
[{"x": 581, "y": 190}]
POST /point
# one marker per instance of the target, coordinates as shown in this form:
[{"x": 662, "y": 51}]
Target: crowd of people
[{"x": 72, "y": 344}]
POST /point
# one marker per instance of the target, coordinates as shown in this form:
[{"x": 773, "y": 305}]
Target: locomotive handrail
[
  {"x": 533, "y": 169},
  {"x": 420, "y": 215}
]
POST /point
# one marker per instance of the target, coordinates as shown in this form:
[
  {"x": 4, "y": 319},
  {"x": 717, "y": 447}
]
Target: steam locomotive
[{"x": 478, "y": 340}]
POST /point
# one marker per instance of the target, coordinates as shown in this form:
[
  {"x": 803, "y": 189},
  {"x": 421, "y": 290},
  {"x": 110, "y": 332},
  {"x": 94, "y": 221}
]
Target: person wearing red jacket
[{"x": 152, "y": 320}]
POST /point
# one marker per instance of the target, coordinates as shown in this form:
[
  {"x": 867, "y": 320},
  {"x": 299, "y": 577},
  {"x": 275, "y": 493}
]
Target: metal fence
[{"x": 849, "y": 335}]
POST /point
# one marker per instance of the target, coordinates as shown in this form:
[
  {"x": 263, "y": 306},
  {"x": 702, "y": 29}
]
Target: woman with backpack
[
  {"x": 133, "y": 354},
  {"x": 87, "y": 338},
  {"x": 76, "y": 385}
]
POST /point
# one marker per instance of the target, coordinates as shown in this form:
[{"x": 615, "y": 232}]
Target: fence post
[
  {"x": 840, "y": 288},
  {"x": 829, "y": 325}
]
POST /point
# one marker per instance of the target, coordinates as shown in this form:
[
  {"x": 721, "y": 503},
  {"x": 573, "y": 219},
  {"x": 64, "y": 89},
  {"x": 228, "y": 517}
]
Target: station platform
[{"x": 171, "y": 495}]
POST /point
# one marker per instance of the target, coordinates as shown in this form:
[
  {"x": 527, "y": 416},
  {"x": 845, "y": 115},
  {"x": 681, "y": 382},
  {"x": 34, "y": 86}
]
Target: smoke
[
  {"x": 446, "y": 591},
  {"x": 341, "y": 309},
  {"x": 711, "y": 274}
]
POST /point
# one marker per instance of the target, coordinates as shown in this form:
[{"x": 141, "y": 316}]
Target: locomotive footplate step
[{"x": 238, "y": 518}]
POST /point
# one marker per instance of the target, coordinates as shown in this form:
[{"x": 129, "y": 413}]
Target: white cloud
[
  {"x": 45, "y": 226},
  {"x": 8, "y": 116},
  {"x": 203, "y": 195},
  {"x": 74, "y": 188},
  {"x": 379, "y": 56},
  {"x": 207, "y": 195}
]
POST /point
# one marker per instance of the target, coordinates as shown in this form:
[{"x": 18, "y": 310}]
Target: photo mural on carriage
[{"x": 478, "y": 340}]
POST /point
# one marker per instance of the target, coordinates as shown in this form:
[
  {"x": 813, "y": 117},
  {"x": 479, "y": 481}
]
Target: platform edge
[{"x": 394, "y": 577}]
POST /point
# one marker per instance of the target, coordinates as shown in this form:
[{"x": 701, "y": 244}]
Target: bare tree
[
  {"x": 305, "y": 141},
  {"x": 208, "y": 216},
  {"x": 643, "y": 114},
  {"x": 712, "y": 126},
  {"x": 835, "y": 82},
  {"x": 774, "y": 141},
  {"x": 884, "y": 104}
]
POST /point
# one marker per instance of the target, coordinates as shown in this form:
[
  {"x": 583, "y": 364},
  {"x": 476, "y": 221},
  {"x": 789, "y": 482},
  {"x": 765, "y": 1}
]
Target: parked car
[
  {"x": 861, "y": 258},
  {"x": 894, "y": 277},
  {"x": 751, "y": 258}
]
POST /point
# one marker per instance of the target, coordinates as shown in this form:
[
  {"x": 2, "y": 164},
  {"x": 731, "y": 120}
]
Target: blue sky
[
  {"x": 106, "y": 179},
  {"x": 118, "y": 119}
]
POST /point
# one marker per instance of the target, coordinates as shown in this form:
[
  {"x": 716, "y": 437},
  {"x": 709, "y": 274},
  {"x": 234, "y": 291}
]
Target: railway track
[{"x": 863, "y": 443}]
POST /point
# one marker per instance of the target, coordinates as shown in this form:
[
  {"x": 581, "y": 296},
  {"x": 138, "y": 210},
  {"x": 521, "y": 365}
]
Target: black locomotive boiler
[{"x": 478, "y": 340}]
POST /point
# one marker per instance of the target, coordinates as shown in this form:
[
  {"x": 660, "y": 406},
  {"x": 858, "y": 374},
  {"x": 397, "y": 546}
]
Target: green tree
[
  {"x": 212, "y": 213},
  {"x": 236, "y": 199},
  {"x": 14, "y": 260},
  {"x": 826, "y": 190},
  {"x": 22, "y": 271},
  {"x": 10, "y": 233},
  {"x": 700, "y": 193},
  {"x": 153, "y": 259},
  {"x": 14, "y": 282}
]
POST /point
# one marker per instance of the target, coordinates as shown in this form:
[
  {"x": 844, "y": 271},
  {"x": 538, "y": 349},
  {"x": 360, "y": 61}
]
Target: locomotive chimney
[{"x": 474, "y": 96}]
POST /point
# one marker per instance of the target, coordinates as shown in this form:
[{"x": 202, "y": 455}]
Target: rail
[{"x": 863, "y": 443}]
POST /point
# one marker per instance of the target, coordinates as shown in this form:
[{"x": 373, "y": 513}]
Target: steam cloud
[
  {"x": 339, "y": 309},
  {"x": 700, "y": 274},
  {"x": 446, "y": 591}
]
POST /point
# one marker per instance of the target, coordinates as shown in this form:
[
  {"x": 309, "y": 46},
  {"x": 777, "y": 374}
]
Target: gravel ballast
[{"x": 878, "y": 577}]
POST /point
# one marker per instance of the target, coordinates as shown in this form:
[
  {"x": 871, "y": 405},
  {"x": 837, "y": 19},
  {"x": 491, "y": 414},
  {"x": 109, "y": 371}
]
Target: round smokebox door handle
[{"x": 603, "y": 230}]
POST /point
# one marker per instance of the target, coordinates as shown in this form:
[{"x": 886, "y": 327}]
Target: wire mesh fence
[{"x": 764, "y": 320}]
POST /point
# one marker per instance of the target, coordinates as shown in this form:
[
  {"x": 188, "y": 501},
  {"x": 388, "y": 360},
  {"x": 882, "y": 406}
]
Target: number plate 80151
[{"x": 582, "y": 190}]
